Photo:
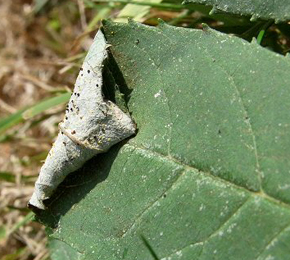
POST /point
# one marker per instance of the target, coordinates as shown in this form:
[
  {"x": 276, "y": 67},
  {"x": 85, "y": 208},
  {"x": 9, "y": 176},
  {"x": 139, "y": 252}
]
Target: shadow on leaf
[{"x": 76, "y": 186}]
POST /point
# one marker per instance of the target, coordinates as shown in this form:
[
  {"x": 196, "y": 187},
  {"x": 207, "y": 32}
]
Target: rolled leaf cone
[{"x": 91, "y": 126}]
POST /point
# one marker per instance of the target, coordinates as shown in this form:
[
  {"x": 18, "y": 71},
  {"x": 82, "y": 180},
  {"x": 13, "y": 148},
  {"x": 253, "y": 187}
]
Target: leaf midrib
[
  {"x": 247, "y": 122},
  {"x": 259, "y": 194},
  {"x": 231, "y": 82},
  {"x": 252, "y": 196}
]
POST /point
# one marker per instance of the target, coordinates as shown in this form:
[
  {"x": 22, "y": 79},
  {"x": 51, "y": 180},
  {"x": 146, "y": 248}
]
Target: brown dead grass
[{"x": 32, "y": 52}]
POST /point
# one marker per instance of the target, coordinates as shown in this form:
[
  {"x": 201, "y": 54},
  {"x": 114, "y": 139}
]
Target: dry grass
[{"x": 33, "y": 49}]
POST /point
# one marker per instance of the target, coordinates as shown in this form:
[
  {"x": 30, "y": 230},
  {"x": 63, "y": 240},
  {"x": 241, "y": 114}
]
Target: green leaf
[
  {"x": 265, "y": 9},
  {"x": 207, "y": 175},
  {"x": 62, "y": 251}
]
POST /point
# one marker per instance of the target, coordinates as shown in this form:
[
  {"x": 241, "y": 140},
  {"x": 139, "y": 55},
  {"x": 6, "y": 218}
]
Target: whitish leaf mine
[{"x": 91, "y": 126}]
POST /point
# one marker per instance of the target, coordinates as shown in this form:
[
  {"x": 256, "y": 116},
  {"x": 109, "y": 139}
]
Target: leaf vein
[
  {"x": 166, "y": 97},
  {"x": 131, "y": 227},
  {"x": 177, "y": 161},
  {"x": 246, "y": 116},
  {"x": 273, "y": 239},
  {"x": 214, "y": 233}
]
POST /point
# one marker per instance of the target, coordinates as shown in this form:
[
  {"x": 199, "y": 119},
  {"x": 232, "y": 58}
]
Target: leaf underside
[
  {"x": 207, "y": 175},
  {"x": 278, "y": 10}
]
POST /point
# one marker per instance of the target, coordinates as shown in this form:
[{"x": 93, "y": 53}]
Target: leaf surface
[
  {"x": 207, "y": 175},
  {"x": 61, "y": 251},
  {"x": 278, "y": 10}
]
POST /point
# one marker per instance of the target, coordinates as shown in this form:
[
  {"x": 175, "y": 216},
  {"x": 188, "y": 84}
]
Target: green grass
[{"x": 30, "y": 112}]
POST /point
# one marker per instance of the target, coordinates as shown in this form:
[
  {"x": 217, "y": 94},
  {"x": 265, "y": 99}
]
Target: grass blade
[
  {"x": 23, "y": 222},
  {"x": 7, "y": 176},
  {"x": 11, "y": 120},
  {"x": 28, "y": 113},
  {"x": 44, "y": 105},
  {"x": 149, "y": 247}
]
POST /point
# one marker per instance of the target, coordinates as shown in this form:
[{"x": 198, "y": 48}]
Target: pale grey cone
[{"x": 91, "y": 126}]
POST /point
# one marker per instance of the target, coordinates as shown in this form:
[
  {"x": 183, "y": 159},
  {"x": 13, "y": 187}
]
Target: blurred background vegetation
[{"x": 42, "y": 45}]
